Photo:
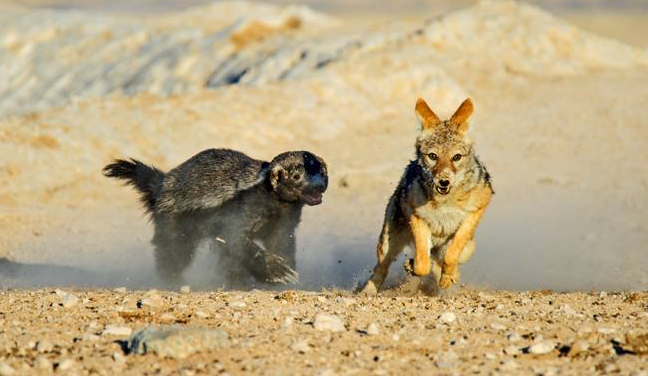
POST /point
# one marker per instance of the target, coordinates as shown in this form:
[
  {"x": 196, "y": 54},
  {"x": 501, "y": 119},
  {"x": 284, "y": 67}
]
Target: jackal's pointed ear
[
  {"x": 460, "y": 117},
  {"x": 426, "y": 116}
]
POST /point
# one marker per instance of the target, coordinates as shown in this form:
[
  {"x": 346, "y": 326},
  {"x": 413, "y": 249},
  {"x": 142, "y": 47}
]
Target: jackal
[{"x": 438, "y": 202}]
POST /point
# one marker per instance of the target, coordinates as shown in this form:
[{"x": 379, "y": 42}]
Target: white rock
[
  {"x": 514, "y": 337},
  {"x": 331, "y": 323},
  {"x": 201, "y": 314},
  {"x": 120, "y": 289},
  {"x": 238, "y": 304},
  {"x": 300, "y": 346},
  {"x": 69, "y": 301},
  {"x": 543, "y": 347},
  {"x": 65, "y": 365},
  {"x": 152, "y": 300},
  {"x": 6, "y": 370},
  {"x": 498, "y": 326},
  {"x": 43, "y": 363},
  {"x": 509, "y": 365},
  {"x": 448, "y": 317},
  {"x": 603, "y": 294},
  {"x": 114, "y": 330},
  {"x": 568, "y": 310},
  {"x": 606, "y": 330},
  {"x": 446, "y": 359},
  {"x": 167, "y": 318},
  {"x": 372, "y": 329},
  {"x": 511, "y": 350},
  {"x": 185, "y": 289},
  {"x": 118, "y": 357},
  {"x": 89, "y": 337}
]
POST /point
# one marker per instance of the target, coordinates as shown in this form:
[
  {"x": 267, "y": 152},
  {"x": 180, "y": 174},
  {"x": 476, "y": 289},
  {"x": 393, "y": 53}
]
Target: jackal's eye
[
  {"x": 456, "y": 157},
  {"x": 433, "y": 156}
]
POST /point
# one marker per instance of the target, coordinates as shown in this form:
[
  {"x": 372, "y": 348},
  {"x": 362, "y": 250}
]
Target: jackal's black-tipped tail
[{"x": 146, "y": 179}]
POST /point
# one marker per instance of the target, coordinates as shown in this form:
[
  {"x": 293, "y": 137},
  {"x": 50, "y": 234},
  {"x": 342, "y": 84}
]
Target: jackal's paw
[
  {"x": 370, "y": 289},
  {"x": 448, "y": 279}
]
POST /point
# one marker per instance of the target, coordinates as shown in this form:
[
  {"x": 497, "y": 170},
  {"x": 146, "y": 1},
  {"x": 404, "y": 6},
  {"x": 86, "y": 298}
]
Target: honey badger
[{"x": 246, "y": 207}]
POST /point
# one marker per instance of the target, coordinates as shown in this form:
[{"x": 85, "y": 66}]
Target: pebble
[
  {"x": 43, "y": 363},
  {"x": 152, "y": 300},
  {"x": 118, "y": 357},
  {"x": 120, "y": 289},
  {"x": 115, "y": 330},
  {"x": 167, "y": 318},
  {"x": 44, "y": 346},
  {"x": 509, "y": 365},
  {"x": 69, "y": 301},
  {"x": 568, "y": 310},
  {"x": 331, "y": 323},
  {"x": 511, "y": 350},
  {"x": 372, "y": 329},
  {"x": 498, "y": 326},
  {"x": 6, "y": 370},
  {"x": 300, "y": 346},
  {"x": 89, "y": 337},
  {"x": 606, "y": 330},
  {"x": 237, "y": 304},
  {"x": 578, "y": 347},
  {"x": 185, "y": 289},
  {"x": 201, "y": 314},
  {"x": 446, "y": 359},
  {"x": 514, "y": 337},
  {"x": 448, "y": 317},
  {"x": 543, "y": 347},
  {"x": 176, "y": 341},
  {"x": 65, "y": 365}
]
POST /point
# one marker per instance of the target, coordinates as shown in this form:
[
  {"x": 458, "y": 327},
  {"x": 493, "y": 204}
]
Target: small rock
[
  {"x": 60, "y": 293},
  {"x": 331, "y": 323},
  {"x": 498, "y": 326},
  {"x": 89, "y": 337},
  {"x": 43, "y": 363},
  {"x": 543, "y": 347},
  {"x": 44, "y": 346},
  {"x": 448, "y": 317},
  {"x": 201, "y": 314},
  {"x": 578, "y": 347},
  {"x": 114, "y": 330},
  {"x": 300, "y": 346},
  {"x": 446, "y": 359},
  {"x": 372, "y": 329},
  {"x": 603, "y": 294},
  {"x": 176, "y": 341},
  {"x": 167, "y": 318},
  {"x": 6, "y": 370},
  {"x": 568, "y": 310},
  {"x": 185, "y": 289},
  {"x": 638, "y": 342},
  {"x": 118, "y": 357},
  {"x": 606, "y": 330},
  {"x": 152, "y": 301},
  {"x": 511, "y": 350},
  {"x": 509, "y": 365},
  {"x": 69, "y": 301},
  {"x": 514, "y": 337},
  {"x": 65, "y": 365},
  {"x": 490, "y": 356},
  {"x": 237, "y": 304},
  {"x": 120, "y": 289}
]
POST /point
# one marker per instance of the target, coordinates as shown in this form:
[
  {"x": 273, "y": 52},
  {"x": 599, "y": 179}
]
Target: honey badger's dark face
[{"x": 299, "y": 176}]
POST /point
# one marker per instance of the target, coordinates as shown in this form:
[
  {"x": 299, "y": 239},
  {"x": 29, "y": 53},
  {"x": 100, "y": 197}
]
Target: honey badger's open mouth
[
  {"x": 312, "y": 198},
  {"x": 443, "y": 190}
]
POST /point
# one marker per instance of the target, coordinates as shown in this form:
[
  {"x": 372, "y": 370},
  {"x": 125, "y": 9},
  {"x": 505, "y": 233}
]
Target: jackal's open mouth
[{"x": 443, "y": 190}]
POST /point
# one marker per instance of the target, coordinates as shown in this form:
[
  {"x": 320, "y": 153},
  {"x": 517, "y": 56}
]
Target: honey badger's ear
[
  {"x": 460, "y": 117},
  {"x": 276, "y": 172},
  {"x": 426, "y": 116}
]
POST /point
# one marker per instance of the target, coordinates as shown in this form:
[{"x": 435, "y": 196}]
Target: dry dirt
[{"x": 560, "y": 121}]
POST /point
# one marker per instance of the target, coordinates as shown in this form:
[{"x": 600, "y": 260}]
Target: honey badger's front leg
[{"x": 465, "y": 233}]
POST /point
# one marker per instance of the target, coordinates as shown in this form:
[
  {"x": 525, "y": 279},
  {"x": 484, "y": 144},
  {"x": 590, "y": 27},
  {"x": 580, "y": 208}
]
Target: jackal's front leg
[
  {"x": 421, "y": 234},
  {"x": 450, "y": 267}
]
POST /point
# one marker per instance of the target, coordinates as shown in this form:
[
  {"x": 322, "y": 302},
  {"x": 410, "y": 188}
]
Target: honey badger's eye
[
  {"x": 456, "y": 157},
  {"x": 296, "y": 176},
  {"x": 433, "y": 156}
]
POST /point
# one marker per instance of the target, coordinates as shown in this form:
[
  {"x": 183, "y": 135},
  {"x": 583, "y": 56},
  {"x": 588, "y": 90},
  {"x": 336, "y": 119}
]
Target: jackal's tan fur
[{"x": 438, "y": 202}]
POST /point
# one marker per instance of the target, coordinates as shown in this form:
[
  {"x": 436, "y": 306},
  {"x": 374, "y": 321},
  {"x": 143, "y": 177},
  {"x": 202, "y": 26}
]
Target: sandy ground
[{"x": 565, "y": 140}]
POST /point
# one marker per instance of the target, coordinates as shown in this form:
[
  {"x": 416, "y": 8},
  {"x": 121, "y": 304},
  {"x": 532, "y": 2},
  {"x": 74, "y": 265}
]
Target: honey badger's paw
[
  {"x": 273, "y": 268},
  {"x": 448, "y": 278}
]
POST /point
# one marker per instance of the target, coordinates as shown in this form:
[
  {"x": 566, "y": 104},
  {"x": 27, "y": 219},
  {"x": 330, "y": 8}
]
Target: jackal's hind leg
[{"x": 390, "y": 245}]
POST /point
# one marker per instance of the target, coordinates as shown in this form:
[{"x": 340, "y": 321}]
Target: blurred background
[{"x": 560, "y": 89}]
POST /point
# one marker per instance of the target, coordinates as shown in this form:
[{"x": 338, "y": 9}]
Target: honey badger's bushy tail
[{"x": 146, "y": 179}]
